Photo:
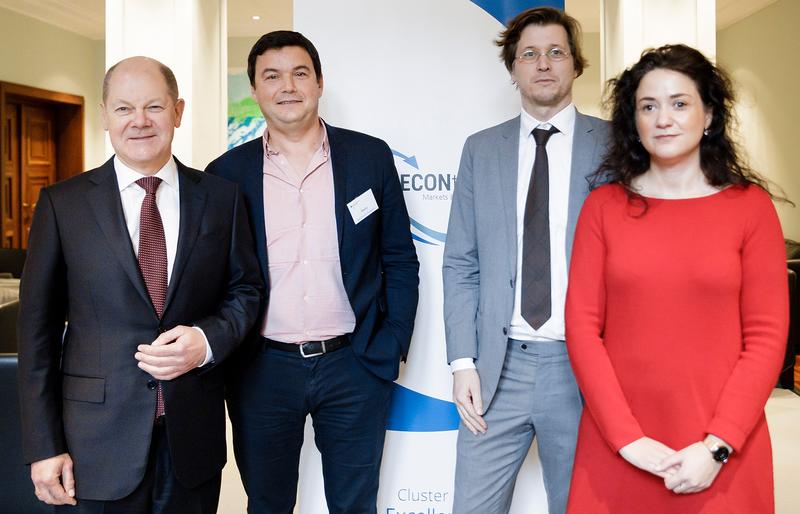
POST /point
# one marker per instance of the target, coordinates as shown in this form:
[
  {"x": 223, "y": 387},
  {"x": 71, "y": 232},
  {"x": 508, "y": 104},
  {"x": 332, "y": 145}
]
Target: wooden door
[
  {"x": 37, "y": 160},
  {"x": 10, "y": 179},
  {"x": 41, "y": 142}
]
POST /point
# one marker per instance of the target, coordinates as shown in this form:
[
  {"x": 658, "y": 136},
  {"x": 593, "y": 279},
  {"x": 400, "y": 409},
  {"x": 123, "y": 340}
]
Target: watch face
[{"x": 721, "y": 454}]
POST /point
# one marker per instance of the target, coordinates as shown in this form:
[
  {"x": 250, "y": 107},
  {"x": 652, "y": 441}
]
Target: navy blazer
[{"x": 378, "y": 259}]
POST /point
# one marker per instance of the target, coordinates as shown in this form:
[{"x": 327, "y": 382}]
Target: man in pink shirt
[{"x": 333, "y": 240}]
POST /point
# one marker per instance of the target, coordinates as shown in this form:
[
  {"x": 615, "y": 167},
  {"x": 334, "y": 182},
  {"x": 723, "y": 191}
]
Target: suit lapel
[
  {"x": 507, "y": 163},
  {"x": 338, "y": 156},
  {"x": 193, "y": 202},
  {"x": 584, "y": 163},
  {"x": 253, "y": 185},
  {"x": 106, "y": 205}
]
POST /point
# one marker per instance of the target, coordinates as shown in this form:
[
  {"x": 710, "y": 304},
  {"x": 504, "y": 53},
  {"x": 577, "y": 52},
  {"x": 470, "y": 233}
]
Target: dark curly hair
[{"x": 720, "y": 157}]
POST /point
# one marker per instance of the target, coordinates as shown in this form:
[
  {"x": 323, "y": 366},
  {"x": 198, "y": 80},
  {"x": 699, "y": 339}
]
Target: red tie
[{"x": 153, "y": 257}]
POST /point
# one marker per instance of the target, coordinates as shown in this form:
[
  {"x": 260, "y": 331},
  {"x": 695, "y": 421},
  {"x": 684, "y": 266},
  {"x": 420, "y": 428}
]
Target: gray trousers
[{"x": 536, "y": 396}]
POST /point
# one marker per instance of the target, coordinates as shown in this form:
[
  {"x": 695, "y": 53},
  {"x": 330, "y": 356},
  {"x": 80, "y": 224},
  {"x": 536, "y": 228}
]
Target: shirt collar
[
  {"x": 564, "y": 121},
  {"x": 127, "y": 176},
  {"x": 269, "y": 151}
]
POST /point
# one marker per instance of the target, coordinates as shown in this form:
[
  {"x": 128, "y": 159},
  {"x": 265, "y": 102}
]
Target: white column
[
  {"x": 189, "y": 36},
  {"x": 630, "y": 26}
]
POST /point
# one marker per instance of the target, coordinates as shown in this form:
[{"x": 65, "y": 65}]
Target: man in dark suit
[
  {"x": 151, "y": 265},
  {"x": 333, "y": 239}
]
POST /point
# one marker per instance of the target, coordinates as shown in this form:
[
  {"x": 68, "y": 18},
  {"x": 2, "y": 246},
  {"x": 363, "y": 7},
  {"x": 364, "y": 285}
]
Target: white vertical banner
[{"x": 421, "y": 75}]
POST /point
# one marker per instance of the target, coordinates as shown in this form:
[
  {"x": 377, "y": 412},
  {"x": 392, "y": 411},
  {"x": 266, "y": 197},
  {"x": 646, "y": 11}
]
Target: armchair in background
[
  {"x": 8, "y": 326},
  {"x": 12, "y": 261},
  {"x": 16, "y": 491}
]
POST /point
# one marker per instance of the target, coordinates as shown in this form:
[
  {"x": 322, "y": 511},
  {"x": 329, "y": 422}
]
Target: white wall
[
  {"x": 762, "y": 53},
  {"x": 33, "y": 53},
  {"x": 238, "y": 49},
  {"x": 587, "y": 89}
]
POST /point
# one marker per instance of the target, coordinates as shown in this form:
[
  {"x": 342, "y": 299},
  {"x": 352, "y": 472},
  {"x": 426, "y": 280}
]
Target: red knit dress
[{"x": 676, "y": 327}]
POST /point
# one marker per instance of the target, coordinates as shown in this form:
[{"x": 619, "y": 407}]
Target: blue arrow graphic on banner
[
  {"x": 415, "y": 237},
  {"x": 504, "y": 10},
  {"x": 410, "y": 411},
  {"x": 439, "y": 236},
  {"x": 410, "y": 160}
]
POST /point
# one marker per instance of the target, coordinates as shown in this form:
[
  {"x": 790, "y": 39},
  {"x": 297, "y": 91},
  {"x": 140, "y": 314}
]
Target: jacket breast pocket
[{"x": 84, "y": 389}]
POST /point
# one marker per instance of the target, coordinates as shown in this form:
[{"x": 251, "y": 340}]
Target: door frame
[
  {"x": 69, "y": 113},
  {"x": 69, "y": 123}
]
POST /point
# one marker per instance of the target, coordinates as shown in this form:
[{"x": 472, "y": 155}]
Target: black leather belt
[{"x": 310, "y": 348}]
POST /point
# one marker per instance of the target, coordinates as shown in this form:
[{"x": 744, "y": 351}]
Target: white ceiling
[
  {"x": 731, "y": 11},
  {"x": 728, "y": 12},
  {"x": 86, "y": 17},
  {"x": 275, "y": 15}
]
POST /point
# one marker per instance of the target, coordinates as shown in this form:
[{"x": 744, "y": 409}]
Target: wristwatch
[{"x": 719, "y": 452}]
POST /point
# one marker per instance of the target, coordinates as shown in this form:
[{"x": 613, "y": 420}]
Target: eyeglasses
[{"x": 554, "y": 54}]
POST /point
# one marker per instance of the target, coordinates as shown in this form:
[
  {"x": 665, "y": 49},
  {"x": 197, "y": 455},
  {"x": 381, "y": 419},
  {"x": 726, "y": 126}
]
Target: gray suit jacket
[{"x": 480, "y": 256}]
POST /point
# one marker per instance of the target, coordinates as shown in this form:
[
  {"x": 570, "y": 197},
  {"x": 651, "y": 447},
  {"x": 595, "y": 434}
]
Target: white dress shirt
[
  {"x": 168, "y": 200},
  {"x": 559, "y": 157}
]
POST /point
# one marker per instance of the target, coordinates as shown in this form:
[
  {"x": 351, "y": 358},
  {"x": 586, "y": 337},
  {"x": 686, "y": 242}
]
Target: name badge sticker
[{"x": 362, "y": 206}]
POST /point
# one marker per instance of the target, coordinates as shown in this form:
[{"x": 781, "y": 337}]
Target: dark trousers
[
  {"x": 158, "y": 493},
  {"x": 348, "y": 406}
]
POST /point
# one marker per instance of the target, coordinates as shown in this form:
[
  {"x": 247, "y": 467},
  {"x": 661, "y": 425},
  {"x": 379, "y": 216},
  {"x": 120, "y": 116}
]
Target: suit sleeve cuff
[
  {"x": 461, "y": 364},
  {"x": 209, "y": 354}
]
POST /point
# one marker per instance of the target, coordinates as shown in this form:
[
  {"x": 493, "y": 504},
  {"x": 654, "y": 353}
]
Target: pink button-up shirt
[{"x": 307, "y": 299}]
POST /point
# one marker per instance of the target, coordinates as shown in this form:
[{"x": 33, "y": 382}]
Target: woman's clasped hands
[{"x": 690, "y": 470}]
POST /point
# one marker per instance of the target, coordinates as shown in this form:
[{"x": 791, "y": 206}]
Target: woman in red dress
[{"x": 677, "y": 306}]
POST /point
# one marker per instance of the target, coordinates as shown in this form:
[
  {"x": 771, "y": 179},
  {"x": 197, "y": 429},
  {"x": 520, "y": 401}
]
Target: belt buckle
[{"x": 315, "y": 354}]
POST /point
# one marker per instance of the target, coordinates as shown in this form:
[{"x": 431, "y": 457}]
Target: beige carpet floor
[{"x": 783, "y": 416}]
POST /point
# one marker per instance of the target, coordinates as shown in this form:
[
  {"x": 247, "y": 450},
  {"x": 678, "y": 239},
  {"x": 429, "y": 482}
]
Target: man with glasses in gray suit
[{"x": 520, "y": 188}]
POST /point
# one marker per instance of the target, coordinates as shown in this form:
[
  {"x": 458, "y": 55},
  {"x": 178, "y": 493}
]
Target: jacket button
[
  {"x": 151, "y": 384},
  {"x": 162, "y": 329},
  {"x": 511, "y": 283},
  {"x": 505, "y": 331}
]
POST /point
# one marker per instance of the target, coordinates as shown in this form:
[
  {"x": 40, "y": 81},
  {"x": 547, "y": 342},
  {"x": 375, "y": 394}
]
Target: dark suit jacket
[
  {"x": 378, "y": 259},
  {"x": 87, "y": 396}
]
